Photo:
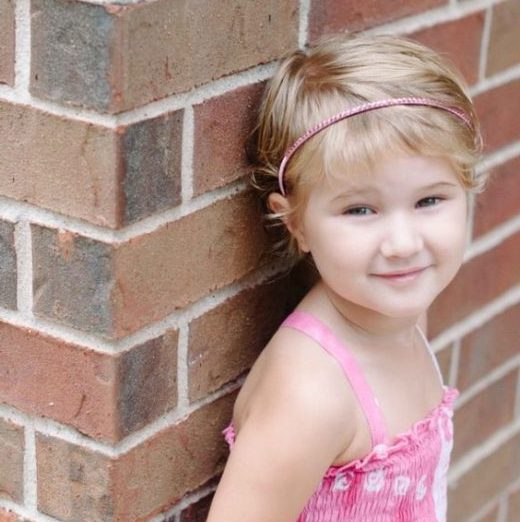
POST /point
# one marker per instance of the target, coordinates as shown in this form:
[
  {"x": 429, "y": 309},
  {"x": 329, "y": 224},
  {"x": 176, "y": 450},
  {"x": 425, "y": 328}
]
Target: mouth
[{"x": 399, "y": 276}]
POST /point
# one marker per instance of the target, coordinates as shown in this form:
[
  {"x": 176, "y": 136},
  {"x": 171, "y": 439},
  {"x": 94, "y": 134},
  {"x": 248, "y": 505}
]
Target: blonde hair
[{"x": 345, "y": 71}]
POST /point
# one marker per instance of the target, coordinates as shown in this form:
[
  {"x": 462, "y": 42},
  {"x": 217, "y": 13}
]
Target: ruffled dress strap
[{"x": 319, "y": 332}]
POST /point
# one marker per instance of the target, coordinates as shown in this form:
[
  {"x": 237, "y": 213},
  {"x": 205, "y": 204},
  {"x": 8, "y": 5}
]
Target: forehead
[{"x": 391, "y": 173}]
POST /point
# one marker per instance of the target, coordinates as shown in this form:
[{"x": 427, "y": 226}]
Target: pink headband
[{"x": 365, "y": 107}]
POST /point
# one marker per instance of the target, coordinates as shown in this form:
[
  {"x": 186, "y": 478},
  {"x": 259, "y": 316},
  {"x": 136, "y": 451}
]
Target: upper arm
[{"x": 280, "y": 455}]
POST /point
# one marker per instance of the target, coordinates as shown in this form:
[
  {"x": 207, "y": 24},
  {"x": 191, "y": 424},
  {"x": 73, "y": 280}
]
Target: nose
[{"x": 402, "y": 237}]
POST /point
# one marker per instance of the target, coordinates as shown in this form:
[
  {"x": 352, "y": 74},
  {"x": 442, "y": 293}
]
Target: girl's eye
[
  {"x": 359, "y": 211},
  {"x": 430, "y": 201}
]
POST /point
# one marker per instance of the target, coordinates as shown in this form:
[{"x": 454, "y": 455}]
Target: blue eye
[
  {"x": 430, "y": 201},
  {"x": 359, "y": 211}
]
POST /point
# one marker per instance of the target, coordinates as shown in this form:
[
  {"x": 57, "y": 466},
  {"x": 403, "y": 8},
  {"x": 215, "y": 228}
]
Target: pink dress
[{"x": 399, "y": 480}]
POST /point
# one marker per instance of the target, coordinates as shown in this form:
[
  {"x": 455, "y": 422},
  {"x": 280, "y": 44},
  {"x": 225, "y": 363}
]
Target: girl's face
[{"x": 390, "y": 241}]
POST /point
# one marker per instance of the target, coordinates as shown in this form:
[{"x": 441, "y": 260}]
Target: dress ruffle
[
  {"x": 400, "y": 444},
  {"x": 404, "y": 441}
]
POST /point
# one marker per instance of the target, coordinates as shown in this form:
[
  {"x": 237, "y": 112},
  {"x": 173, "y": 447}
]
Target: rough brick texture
[
  {"x": 504, "y": 40},
  {"x": 103, "y": 396},
  {"x": 499, "y": 122},
  {"x": 220, "y": 126},
  {"x": 488, "y": 347},
  {"x": 75, "y": 483},
  {"x": 463, "y": 296},
  {"x": 225, "y": 342},
  {"x": 119, "y": 176},
  {"x": 470, "y": 431},
  {"x": 7, "y": 265},
  {"x": 484, "y": 481},
  {"x": 500, "y": 200},
  {"x": 123, "y": 211},
  {"x": 11, "y": 461},
  {"x": 113, "y": 57},
  {"x": 7, "y": 41},
  {"x": 459, "y": 40},
  {"x": 115, "y": 290},
  {"x": 331, "y": 16}
]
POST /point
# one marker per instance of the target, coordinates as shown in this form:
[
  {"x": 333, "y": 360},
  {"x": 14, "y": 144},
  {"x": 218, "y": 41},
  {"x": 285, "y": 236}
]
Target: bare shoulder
[{"x": 299, "y": 383}]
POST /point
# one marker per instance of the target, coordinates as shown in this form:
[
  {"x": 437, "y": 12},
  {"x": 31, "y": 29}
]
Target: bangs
[{"x": 352, "y": 147}]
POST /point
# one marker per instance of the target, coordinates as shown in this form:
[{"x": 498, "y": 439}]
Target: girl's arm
[{"x": 282, "y": 452}]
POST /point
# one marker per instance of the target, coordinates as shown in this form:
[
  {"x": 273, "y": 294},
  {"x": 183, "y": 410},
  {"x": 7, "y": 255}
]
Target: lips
[{"x": 408, "y": 274}]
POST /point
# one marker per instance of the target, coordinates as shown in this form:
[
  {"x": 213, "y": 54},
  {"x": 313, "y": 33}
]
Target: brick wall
[{"x": 133, "y": 264}]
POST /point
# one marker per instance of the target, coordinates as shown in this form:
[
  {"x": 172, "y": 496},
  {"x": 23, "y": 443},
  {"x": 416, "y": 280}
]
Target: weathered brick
[
  {"x": 104, "y": 396},
  {"x": 76, "y": 483},
  {"x": 332, "y": 16},
  {"x": 11, "y": 461},
  {"x": 197, "y": 512},
  {"x": 488, "y": 347},
  {"x": 459, "y": 40},
  {"x": 464, "y": 296},
  {"x": 499, "y": 122},
  {"x": 8, "y": 271},
  {"x": 504, "y": 39},
  {"x": 151, "y": 157},
  {"x": 114, "y": 290},
  {"x": 113, "y": 57},
  {"x": 120, "y": 175},
  {"x": 147, "y": 377},
  {"x": 225, "y": 342},
  {"x": 7, "y": 41},
  {"x": 501, "y": 199},
  {"x": 73, "y": 279},
  {"x": 484, "y": 481},
  {"x": 495, "y": 404},
  {"x": 222, "y": 125}
]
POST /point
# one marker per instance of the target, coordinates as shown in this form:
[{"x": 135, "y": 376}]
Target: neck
[{"x": 368, "y": 326}]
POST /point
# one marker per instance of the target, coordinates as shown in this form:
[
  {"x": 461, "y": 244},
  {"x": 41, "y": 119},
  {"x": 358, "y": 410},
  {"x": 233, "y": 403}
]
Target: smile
[{"x": 402, "y": 276}]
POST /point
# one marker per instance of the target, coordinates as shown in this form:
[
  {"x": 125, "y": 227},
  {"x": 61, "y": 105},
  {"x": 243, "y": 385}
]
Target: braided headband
[{"x": 365, "y": 107}]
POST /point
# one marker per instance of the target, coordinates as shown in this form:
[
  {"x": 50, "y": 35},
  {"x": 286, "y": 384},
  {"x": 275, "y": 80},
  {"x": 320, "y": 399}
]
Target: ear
[{"x": 281, "y": 205}]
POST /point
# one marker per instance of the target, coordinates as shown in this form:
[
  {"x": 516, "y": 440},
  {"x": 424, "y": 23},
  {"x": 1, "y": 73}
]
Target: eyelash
[{"x": 361, "y": 210}]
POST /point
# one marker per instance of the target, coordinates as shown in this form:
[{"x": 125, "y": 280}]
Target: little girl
[{"x": 366, "y": 153}]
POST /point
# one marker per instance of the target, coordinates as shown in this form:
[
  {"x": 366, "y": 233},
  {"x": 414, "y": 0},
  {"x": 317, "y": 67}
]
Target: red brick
[
  {"x": 8, "y": 273},
  {"x": 7, "y": 41},
  {"x": 495, "y": 404},
  {"x": 513, "y": 506},
  {"x": 197, "y": 512},
  {"x": 146, "y": 51},
  {"x": 459, "y": 40},
  {"x": 484, "y": 481},
  {"x": 488, "y": 347},
  {"x": 501, "y": 199},
  {"x": 504, "y": 39},
  {"x": 120, "y": 175},
  {"x": 103, "y": 396},
  {"x": 222, "y": 126},
  {"x": 114, "y": 290},
  {"x": 186, "y": 260},
  {"x": 76, "y": 483},
  {"x": 499, "y": 122},
  {"x": 478, "y": 282},
  {"x": 11, "y": 461},
  {"x": 332, "y": 16},
  {"x": 225, "y": 342}
]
